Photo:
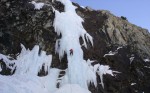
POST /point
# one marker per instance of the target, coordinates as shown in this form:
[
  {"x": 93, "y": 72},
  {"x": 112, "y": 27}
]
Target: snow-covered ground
[{"x": 35, "y": 84}]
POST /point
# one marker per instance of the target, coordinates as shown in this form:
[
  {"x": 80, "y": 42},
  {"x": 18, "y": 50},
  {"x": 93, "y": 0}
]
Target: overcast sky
[{"x": 136, "y": 11}]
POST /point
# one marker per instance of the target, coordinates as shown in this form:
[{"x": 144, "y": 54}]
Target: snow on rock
[
  {"x": 146, "y": 67},
  {"x": 82, "y": 6},
  {"x": 7, "y": 61},
  {"x": 131, "y": 59},
  {"x": 147, "y": 60},
  {"x": 119, "y": 48},
  {"x": 69, "y": 25},
  {"x": 38, "y": 5},
  {"x": 72, "y": 88},
  {"x": 102, "y": 70},
  {"x": 110, "y": 54},
  {"x": 133, "y": 84}
]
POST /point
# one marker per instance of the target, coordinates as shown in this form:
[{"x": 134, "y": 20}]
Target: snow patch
[
  {"x": 131, "y": 59},
  {"x": 83, "y": 6},
  {"x": 147, "y": 60},
  {"x": 110, "y": 54},
  {"x": 38, "y": 5},
  {"x": 133, "y": 84},
  {"x": 119, "y": 48},
  {"x": 146, "y": 67}
]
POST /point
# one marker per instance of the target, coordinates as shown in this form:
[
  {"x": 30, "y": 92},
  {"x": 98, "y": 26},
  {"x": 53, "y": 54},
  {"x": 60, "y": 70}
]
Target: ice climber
[{"x": 71, "y": 51}]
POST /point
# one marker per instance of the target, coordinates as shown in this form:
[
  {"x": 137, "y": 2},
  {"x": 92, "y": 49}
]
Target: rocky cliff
[{"x": 123, "y": 46}]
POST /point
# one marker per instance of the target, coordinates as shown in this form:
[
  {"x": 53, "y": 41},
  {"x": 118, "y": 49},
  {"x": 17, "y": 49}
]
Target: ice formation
[
  {"x": 102, "y": 70},
  {"x": 69, "y": 25},
  {"x": 27, "y": 59},
  {"x": 25, "y": 79}
]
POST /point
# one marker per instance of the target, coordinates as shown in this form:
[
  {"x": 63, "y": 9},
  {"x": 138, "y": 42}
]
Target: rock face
[{"x": 21, "y": 23}]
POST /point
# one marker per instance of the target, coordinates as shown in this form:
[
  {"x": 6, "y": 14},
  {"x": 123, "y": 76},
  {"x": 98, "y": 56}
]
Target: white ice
[
  {"x": 27, "y": 57},
  {"x": 69, "y": 25}
]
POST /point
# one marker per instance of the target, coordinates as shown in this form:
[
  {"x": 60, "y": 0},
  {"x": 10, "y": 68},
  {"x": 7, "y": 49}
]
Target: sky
[{"x": 136, "y": 11}]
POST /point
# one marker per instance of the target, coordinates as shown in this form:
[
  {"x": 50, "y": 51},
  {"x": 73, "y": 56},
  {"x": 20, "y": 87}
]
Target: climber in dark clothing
[{"x": 71, "y": 51}]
